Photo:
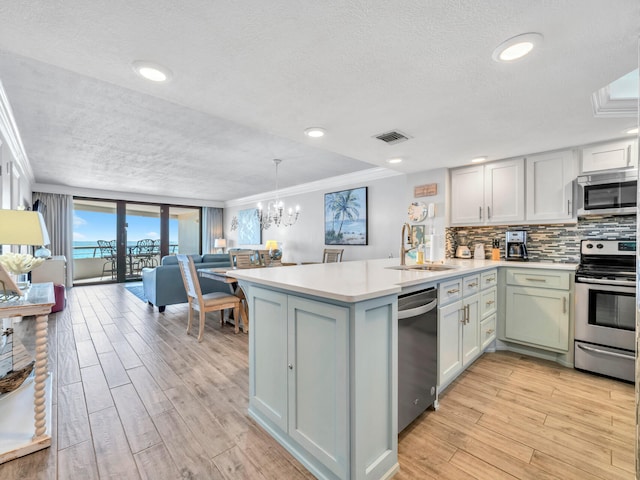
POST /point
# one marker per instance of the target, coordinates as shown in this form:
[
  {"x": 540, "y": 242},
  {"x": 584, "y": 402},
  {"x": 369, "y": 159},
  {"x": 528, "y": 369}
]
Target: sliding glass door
[{"x": 115, "y": 240}]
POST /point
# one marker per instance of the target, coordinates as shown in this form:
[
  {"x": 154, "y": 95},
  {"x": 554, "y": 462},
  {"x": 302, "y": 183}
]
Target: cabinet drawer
[
  {"x": 470, "y": 285},
  {"x": 487, "y": 331},
  {"x": 488, "y": 301},
  {"x": 538, "y": 278},
  {"x": 450, "y": 291},
  {"x": 489, "y": 279}
]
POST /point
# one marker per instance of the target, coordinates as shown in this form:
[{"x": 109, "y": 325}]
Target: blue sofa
[{"x": 163, "y": 284}]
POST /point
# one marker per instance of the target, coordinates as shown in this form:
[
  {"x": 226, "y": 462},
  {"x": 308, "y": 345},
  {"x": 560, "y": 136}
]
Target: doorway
[{"x": 114, "y": 240}]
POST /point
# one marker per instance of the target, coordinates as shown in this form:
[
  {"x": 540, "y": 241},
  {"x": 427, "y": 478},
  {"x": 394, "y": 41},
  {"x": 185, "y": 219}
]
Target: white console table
[{"x": 23, "y": 430}]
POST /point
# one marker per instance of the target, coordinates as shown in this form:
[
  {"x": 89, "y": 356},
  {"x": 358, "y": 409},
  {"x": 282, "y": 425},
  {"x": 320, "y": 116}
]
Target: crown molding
[
  {"x": 362, "y": 176},
  {"x": 606, "y": 107},
  {"x": 11, "y": 135}
]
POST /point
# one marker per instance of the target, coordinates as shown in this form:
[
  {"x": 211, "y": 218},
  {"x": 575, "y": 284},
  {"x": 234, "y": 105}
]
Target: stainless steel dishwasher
[{"x": 417, "y": 354}]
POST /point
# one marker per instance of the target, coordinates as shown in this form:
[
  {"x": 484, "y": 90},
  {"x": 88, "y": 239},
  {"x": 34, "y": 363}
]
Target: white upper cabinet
[
  {"x": 550, "y": 188},
  {"x": 467, "y": 195},
  {"x": 504, "y": 191},
  {"x": 610, "y": 155},
  {"x": 488, "y": 194}
]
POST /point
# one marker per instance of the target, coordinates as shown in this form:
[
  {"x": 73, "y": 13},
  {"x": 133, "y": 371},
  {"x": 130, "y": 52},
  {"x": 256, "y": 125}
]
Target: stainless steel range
[{"x": 605, "y": 308}]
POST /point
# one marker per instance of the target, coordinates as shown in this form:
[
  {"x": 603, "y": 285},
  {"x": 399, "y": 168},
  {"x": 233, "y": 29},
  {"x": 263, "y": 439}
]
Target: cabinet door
[
  {"x": 471, "y": 330},
  {"x": 487, "y": 331},
  {"x": 488, "y": 301},
  {"x": 504, "y": 191},
  {"x": 538, "y": 316},
  {"x": 467, "y": 196},
  {"x": 318, "y": 380},
  {"x": 449, "y": 342},
  {"x": 268, "y": 364},
  {"x": 550, "y": 186},
  {"x": 620, "y": 154}
]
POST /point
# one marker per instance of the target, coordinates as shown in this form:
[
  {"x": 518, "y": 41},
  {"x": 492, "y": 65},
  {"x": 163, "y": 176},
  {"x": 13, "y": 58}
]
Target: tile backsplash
[{"x": 555, "y": 243}]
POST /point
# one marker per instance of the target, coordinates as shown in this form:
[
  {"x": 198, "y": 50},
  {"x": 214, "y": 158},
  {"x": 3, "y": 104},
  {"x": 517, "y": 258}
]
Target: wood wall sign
[{"x": 427, "y": 190}]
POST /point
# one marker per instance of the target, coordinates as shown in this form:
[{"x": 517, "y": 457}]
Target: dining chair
[
  {"x": 242, "y": 259},
  {"x": 332, "y": 255},
  {"x": 209, "y": 302},
  {"x": 267, "y": 261}
]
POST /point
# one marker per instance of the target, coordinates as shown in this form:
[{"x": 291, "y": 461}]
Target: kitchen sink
[{"x": 425, "y": 267}]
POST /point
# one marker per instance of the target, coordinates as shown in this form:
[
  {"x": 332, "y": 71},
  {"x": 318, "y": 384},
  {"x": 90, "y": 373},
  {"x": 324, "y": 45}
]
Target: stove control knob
[
  {"x": 599, "y": 245},
  {"x": 589, "y": 245}
]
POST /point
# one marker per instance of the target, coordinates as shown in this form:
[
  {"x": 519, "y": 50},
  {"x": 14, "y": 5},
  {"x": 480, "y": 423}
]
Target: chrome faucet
[{"x": 405, "y": 237}]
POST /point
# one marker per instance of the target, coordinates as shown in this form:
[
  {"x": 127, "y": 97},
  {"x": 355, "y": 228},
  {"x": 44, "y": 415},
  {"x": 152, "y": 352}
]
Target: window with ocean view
[{"x": 107, "y": 248}]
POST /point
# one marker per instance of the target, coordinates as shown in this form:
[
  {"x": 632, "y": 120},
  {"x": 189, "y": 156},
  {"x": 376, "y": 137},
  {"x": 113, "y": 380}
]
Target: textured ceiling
[{"x": 249, "y": 77}]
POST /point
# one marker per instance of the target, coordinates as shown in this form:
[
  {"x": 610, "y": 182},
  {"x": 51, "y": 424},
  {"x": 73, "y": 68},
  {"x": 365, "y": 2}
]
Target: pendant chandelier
[{"x": 275, "y": 213}]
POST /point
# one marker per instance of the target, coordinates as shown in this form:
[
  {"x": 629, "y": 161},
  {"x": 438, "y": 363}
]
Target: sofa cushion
[{"x": 173, "y": 260}]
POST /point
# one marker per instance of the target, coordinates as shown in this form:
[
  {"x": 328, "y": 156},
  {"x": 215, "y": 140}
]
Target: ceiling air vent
[{"x": 393, "y": 137}]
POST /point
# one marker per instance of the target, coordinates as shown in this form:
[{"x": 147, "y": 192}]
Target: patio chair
[
  {"x": 209, "y": 302},
  {"x": 145, "y": 253},
  {"x": 332, "y": 255},
  {"x": 108, "y": 253}
]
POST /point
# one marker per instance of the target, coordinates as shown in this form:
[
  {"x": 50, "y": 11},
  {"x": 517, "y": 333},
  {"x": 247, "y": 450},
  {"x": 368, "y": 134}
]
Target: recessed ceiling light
[
  {"x": 152, "y": 71},
  {"x": 632, "y": 131},
  {"x": 516, "y": 47},
  {"x": 314, "y": 132},
  {"x": 478, "y": 159},
  {"x": 394, "y": 160}
]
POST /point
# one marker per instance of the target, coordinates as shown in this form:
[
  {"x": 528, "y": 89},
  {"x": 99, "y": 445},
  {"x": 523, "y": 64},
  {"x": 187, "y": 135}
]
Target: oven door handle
[
  {"x": 605, "y": 352},
  {"x": 598, "y": 281}
]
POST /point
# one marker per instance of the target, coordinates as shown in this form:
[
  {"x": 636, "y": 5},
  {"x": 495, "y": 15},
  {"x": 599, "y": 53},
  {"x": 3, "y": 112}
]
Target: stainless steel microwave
[{"x": 608, "y": 193}]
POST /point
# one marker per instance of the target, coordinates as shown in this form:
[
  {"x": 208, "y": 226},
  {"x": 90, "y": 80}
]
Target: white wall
[
  {"x": 440, "y": 178},
  {"x": 388, "y": 201},
  {"x": 15, "y": 186}
]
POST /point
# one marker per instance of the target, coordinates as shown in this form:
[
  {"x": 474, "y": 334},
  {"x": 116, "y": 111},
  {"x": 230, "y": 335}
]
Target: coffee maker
[{"x": 516, "y": 246}]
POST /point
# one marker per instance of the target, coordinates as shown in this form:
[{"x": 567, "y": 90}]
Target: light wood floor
[{"x": 135, "y": 397}]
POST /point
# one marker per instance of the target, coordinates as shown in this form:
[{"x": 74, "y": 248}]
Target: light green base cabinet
[
  {"x": 538, "y": 304},
  {"x": 323, "y": 380}
]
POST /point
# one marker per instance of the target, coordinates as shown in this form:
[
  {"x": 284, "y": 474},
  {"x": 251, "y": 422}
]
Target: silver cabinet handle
[
  {"x": 480, "y": 212},
  {"x": 488, "y": 212},
  {"x": 490, "y": 302},
  {"x": 466, "y": 309},
  {"x": 564, "y": 304},
  {"x": 473, "y": 284},
  {"x": 569, "y": 207},
  {"x": 535, "y": 279},
  {"x": 490, "y": 279},
  {"x": 464, "y": 314},
  {"x": 453, "y": 290},
  {"x": 605, "y": 352},
  {"x": 490, "y": 331},
  {"x": 628, "y": 155},
  {"x": 290, "y": 367}
]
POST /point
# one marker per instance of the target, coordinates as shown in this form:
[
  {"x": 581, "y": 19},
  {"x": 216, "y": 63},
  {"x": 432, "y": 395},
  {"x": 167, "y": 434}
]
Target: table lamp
[
  {"x": 21, "y": 227},
  {"x": 274, "y": 250},
  {"x": 219, "y": 245}
]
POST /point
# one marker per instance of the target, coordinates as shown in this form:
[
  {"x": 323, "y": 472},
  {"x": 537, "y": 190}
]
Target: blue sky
[{"x": 92, "y": 226}]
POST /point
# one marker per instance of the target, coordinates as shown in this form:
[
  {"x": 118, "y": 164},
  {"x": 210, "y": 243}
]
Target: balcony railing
[{"x": 89, "y": 262}]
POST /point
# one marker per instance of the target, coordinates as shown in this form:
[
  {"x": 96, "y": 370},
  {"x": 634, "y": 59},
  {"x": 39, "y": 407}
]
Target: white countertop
[{"x": 362, "y": 280}]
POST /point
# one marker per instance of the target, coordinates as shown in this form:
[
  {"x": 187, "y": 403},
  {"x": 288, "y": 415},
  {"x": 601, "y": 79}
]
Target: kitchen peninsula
[{"x": 323, "y": 350}]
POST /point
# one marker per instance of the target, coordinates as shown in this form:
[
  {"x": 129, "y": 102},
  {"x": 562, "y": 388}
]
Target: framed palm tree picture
[{"x": 345, "y": 217}]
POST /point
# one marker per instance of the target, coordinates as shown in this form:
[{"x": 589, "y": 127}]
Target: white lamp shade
[
  {"x": 220, "y": 243},
  {"x": 22, "y": 227}
]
